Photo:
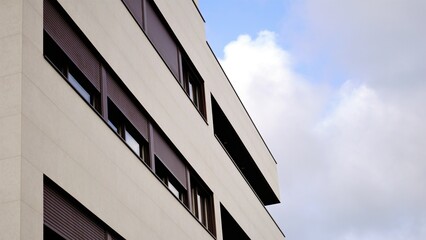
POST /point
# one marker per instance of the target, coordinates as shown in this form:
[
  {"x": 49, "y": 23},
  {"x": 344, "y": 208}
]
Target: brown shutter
[
  {"x": 121, "y": 99},
  {"x": 60, "y": 30},
  {"x": 68, "y": 218},
  {"x": 162, "y": 39},
  {"x": 169, "y": 158},
  {"x": 135, "y": 8}
]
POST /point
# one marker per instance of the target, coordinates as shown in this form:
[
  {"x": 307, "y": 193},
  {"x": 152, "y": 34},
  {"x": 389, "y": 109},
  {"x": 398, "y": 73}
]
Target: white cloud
[
  {"x": 352, "y": 158},
  {"x": 262, "y": 74},
  {"x": 380, "y": 41}
]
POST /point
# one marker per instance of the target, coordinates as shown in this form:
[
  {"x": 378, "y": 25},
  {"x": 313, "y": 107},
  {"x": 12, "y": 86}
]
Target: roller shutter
[{"x": 66, "y": 37}]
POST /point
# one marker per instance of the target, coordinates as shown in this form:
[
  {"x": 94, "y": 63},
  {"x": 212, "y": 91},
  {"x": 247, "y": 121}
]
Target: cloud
[
  {"x": 380, "y": 42},
  {"x": 262, "y": 73},
  {"x": 375, "y": 183},
  {"x": 352, "y": 157}
]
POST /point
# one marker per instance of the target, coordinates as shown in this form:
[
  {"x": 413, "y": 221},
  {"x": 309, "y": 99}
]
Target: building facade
[{"x": 117, "y": 122}]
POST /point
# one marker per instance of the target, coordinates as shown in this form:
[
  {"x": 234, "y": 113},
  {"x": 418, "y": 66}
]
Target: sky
[{"x": 337, "y": 89}]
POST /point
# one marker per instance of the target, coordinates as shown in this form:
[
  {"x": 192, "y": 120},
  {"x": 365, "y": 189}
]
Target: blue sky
[
  {"x": 225, "y": 20},
  {"x": 342, "y": 107}
]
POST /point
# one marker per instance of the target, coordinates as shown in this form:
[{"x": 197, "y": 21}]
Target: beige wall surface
[
  {"x": 52, "y": 131},
  {"x": 10, "y": 118}
]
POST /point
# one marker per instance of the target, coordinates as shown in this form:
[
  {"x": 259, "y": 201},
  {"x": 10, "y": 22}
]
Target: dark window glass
[
  {"x": 54, "y": 54},
  {"x": 231, "y": 230},
  {"x": 77, "y": 86},
  {"x": 128, "y": 105},
  {"x": 194, "y": 91},
  {"x": 76, "y": 79},
  {"x": 194, "y": 86},
  {"x": 120, "y": 125},
  {"x": 113, "y": 125},
  {"x": 170, "y": 181},
  {"x": 79, "y": 82},
  {"x": 49, "y": 234}
]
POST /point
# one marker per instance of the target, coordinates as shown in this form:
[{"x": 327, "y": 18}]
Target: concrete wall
[
  {"x": 48, "y": 129},
  {"x": 11, "y": 206}
]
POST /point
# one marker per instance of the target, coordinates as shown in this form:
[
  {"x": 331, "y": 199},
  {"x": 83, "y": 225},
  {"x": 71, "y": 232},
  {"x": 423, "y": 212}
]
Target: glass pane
[
  {"x": 113, "y": 126},
  {"x": 204, "y": 207},
  {"x": 190, "y": 90},
  {"x": 199, "y": 206},
  {"x": 132, "y": 143},
  {"x": 174, "y": 190},
  {"x": 77, "y": 86},
  {"x": 195, "y": 95}
]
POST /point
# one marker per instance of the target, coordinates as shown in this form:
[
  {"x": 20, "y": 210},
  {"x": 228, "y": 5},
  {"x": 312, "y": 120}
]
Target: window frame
[
  {"x": 193, "y": 85},
  {"x": 202, "y": 199}
]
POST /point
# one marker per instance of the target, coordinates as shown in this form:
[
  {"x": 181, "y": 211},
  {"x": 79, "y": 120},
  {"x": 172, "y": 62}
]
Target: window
[
  {"x": 54, "y": 54},
  {"x": 132, "y": 143},
  {"x": 70, "y": 72},
  {"x": 170, "y": 181},
  {"x": 82, "y": 86},
  {"x": 182, "y": 181},
  {"x": 174, "y": 190},
  {"x": 120, "y": 125},
  {"x": 202, "y": 203},
  {"x": 193, "y": 85},
  {"x": 77, "y": 86},
  {"x": 73, "y": 56}
]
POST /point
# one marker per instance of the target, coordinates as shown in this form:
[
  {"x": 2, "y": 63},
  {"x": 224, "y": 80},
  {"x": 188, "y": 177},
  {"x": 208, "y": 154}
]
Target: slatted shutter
[
  {"x": 121, "y": 99},
  {"x": 60, "y": 30},
  {"x": 67, "y": 218},
  {"x": 169, "y": 158},
  {"x": 162, "y": 39}
]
